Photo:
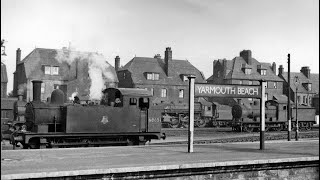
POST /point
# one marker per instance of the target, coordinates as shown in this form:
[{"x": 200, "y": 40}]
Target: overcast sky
[{"x": 197, "y": 30}]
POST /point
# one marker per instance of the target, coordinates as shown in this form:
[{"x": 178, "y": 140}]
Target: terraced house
[
  {"x": 246, "y": 70},
  {"x": 166, "y": 78}
]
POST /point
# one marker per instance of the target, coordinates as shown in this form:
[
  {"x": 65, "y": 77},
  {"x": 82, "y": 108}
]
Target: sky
[{"x": 199, "y": 31}]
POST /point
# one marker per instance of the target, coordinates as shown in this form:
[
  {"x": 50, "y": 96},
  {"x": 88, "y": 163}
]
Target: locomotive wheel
[
  {"x": 200, "y": 123},
  {"x": 174, "y": 123},
  {"x": 246, "y": 128},
  {"x": 308, "y": 127}
]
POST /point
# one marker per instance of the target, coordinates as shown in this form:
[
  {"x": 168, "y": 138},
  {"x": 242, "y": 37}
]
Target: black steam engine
[
  {"x": 122, "y": 117},
  {"x": 247, "y": 118}
]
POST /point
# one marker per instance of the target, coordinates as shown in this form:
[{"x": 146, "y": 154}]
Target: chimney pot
[{"x": 280, "y": 69}]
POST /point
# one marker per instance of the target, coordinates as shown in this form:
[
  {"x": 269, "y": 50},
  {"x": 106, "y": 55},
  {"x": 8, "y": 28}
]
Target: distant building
[
  {"x": 4, "y": 80},
  {"x": 246, "y": 70},
  {"x": 59, "y": 68},
  {"x": 167, "y": 78},
  {"x": 308, "y": 85}
]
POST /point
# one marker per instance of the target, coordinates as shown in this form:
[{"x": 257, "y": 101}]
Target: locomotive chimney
[
  {"x": 117, "y": 63},
  {"x": 36, "y": 90}
]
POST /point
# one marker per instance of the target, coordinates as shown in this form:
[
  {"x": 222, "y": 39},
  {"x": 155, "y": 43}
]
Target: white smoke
[{"x": 99, "y": 69}]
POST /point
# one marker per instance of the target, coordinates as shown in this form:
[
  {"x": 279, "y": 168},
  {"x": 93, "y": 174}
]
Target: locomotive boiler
[
  {"x": 247, "y": 117},
  {"x": 122, "y": 117}
]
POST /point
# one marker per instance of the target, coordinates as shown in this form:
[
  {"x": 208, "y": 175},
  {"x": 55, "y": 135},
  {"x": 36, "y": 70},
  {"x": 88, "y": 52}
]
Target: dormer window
[
  {"x": 153, "y": 76},
  {"x": 246, "y": 69},
  {"x": 262, "y": 70},
  {"x": 184, "y": 77},
  {"x": 307, "y": 86}
]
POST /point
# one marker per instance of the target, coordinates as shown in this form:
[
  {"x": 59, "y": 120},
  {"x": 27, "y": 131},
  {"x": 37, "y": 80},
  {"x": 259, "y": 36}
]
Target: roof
[
  {"x": 237, "y": 73},
  {"x": 4, "y": 76},
  {"x": 281, "y": 98},
  {"x": 314, "y": 80},
  {"x": 234, "y": 70},
  {"x": 135, "y": 92},
  {"x": 138, "y": 66},
  {"x": 55, "y": 57}
]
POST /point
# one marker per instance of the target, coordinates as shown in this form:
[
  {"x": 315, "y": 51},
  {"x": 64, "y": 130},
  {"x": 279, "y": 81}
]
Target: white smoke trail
[{"x": 100, "y": 71}]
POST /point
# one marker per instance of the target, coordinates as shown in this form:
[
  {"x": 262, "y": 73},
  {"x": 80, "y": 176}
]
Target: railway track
[{"x": 225, "y": 135}]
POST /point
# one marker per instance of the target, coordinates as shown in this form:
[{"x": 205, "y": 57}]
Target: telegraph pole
[{"x": 288, "y": 103}]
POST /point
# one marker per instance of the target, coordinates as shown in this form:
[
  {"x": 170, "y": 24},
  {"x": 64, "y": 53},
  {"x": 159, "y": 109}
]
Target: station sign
[{"x": 234, "y": 91}]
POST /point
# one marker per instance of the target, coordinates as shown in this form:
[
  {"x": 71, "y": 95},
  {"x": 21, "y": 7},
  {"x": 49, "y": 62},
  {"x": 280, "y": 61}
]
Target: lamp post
[{"x": 296, "y": 83}]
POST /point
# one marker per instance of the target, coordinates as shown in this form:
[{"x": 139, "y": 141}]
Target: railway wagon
[
  {"x": 247, "y": 118},
  {"x": 121, "y": 117}
]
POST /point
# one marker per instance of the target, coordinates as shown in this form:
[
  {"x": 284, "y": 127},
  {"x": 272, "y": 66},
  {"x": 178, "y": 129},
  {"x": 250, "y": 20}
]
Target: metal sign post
[
  {"x": 262, "y": 114},
  {"x": 191, "y": 113}
]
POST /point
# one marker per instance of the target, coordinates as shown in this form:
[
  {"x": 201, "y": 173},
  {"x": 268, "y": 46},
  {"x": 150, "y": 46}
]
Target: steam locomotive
[
  {"x": 122, "y": 117},
  {"x": 247, "y": 117}
]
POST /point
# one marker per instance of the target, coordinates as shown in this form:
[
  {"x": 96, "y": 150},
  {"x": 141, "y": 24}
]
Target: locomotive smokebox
[{"x": 36, "y": 90}]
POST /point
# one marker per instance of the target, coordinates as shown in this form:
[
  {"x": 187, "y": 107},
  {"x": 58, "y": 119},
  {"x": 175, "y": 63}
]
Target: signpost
[{"x": 233, "y": 91}]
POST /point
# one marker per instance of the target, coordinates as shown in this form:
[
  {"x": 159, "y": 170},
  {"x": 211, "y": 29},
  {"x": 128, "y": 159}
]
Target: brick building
[
  {"x": 166, "y": 78},
  {"x": 65, "y": 69},
  {"x": 308, "y": 85},
  {"x": 246, "y": 70}
]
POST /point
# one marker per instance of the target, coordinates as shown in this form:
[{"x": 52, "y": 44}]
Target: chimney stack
[
  {"x": 280, "y": 69},
  {"x": 18, "y": 56},
  {"x": 306, "y": 71},
  {"x": 274, "y": 67},
  {"x": 168, "y": 60},
  {"x": 247, "y": 56},
  {"x": 36, "y": 90},
  {"x": 117, "y": 63}
]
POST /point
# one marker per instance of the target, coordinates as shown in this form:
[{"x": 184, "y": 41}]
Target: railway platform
[{"x": 158, "y": 161}]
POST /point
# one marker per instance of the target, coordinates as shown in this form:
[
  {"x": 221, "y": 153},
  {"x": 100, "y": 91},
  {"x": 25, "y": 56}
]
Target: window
[
  {"x": 309, "y": 86},
  {"x": 250, "y": 99},
  {"x": 185, "y": 78},
  {"x": 152, "y": 76},
  {"x": 47, "y": 70},
  {"x": 43, "y": 85},
  {"x": 263, "y": 72},
  {"x": 56, "y": 86},
  {"x": 250, "y": 82},
  {"x": 299, "y": 99},
  {"x": 181, "y": 91},
  {"x": 152, "y": 91},
  {"x": 133, "y": 101},
  {"x": 51, "y": 70},
  {"x": 124, "y": 75},
  {"x": 247, "y": 71},
  {"x": 163, "y": 92},
  {"x": 240, "y": 82},
  {"x": 275, "y": 85},
  {"x": 266, "y": 96},
  {"x": 54, "y": 70}
]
